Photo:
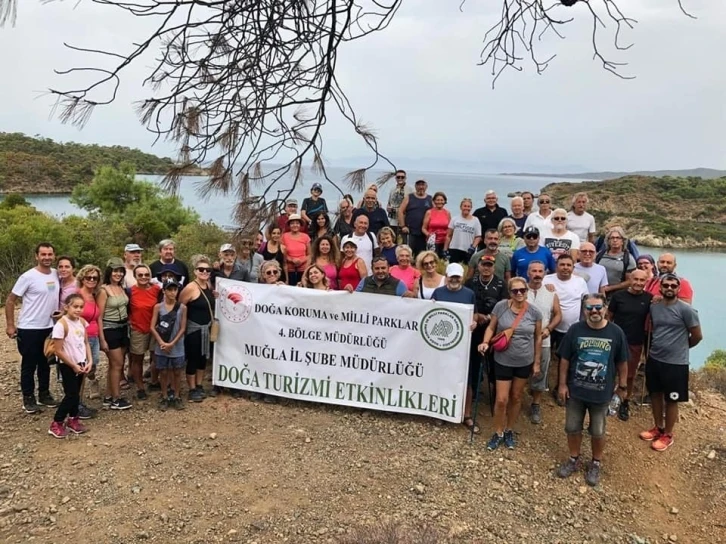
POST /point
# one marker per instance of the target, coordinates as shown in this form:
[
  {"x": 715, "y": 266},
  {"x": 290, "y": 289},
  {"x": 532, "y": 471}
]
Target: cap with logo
[
  {"x": 226, "y": 247},
  {"x": 170, "y": 268},
  {"x": 531, "y": 230},
  {"x": 316, "y": 187},
  {"x": 454, "y": 269},
  {"x": 170, "y": 283}
]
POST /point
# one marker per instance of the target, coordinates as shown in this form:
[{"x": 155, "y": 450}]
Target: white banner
[{"x": 370, "y": 351}]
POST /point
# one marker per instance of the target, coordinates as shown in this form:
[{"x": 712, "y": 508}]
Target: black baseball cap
[{"x": 531, "y": 230}]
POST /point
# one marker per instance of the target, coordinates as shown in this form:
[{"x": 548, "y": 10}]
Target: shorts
[
  {"x": 508, "y": 373},
  {"x": 540, "y": 383},
  {"x": 634, "y": 355},
  {"x": 575, "y": 417},
  {"x": 116, "y": 338},
  {"x": 140, "y": 342},
  {"x": 666, "y": 378},
  {"x": 170, "y": 363}
]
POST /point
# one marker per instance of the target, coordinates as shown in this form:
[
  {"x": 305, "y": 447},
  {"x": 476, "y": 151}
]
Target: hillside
[
  {"x": 705, "y": 173},
  {"x": 658, "y": 212},
  {"x": 41, "y": 165}
]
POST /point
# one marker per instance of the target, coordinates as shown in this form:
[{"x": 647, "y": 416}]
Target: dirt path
[{"x": 236, "y": 471}]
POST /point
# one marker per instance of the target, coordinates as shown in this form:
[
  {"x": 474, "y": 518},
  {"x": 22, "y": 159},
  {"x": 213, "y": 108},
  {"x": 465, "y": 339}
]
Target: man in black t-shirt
[
  {"x": 629, "y": 310},
  {"x": 167, "y": 259}
]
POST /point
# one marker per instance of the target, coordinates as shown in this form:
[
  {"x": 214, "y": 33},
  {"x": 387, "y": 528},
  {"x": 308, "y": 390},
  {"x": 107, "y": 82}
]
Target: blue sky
[{"x": 418, "y": 85}]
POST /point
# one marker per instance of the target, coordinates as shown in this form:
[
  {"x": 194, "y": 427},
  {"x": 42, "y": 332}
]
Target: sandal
[{"x": 469, "y": 424}]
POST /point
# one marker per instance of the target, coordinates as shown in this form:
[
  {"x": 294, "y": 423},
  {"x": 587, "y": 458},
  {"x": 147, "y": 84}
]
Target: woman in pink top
[
  {"x": 65, "y": 266},
  {"x": 436, "y": 221},
  {"x": 352, "y": 268},
  {"x": 403, "y": 270},
  {"x": 326, "y": 255},
  {"x": 296, "y": 249},
  {"x": 87, "y": 283}
]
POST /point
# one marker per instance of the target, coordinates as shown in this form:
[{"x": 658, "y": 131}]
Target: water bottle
[{"x": 614, "y": 405}]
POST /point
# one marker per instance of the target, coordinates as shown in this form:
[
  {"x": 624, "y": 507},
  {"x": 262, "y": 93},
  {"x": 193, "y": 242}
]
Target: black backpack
[
  {"x": 166, "y": 322},
  {"x": 626, "y": 261}
]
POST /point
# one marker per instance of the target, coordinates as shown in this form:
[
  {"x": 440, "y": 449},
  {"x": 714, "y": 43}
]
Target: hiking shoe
[
  {"x": 30, "y": 406},
  {"x": 236, "y": 394},
  {"x": 201, "y": 391},
  {"x": 164, "y": 404},
  {"x": 75, "y": 426},
  {"x": 120, "y": 404},
  {"x": 663, "y": 442},
  {"x": 57, "y": 430},
  {"x": 494, "y": 441},
  {"x": 46, "y": 399},
  {"x": 94, "y": 390},
  {"x": 154, "y": 386},
  {"x": 107, "y": 401},
  {"x": 651, "y": 434},
  {"x": 216, "y": 390},
  {"x": 592, "y": 476},
  {"x": 177, "y": 403},
  {"x": 535, "y": 414},
  {"x": 195, "y": 396},
  {"x": 255, "y": 396},
  {"x": 509, "y": 439},
  {"x": 569, "y": 467},
  {"x": 84, "y": 412},
  {"x": 624, "y": 411},
  {"x": 141, "y": 394}
]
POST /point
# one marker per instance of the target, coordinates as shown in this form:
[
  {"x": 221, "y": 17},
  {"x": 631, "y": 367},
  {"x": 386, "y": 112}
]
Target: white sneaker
[{"x": 94, "y": 390}]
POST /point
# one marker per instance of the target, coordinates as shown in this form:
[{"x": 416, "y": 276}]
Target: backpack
[
  {"x": 165, "y": 324},
  {"x": 49, "y": 344},
  {"x": 626, "y": 260}
]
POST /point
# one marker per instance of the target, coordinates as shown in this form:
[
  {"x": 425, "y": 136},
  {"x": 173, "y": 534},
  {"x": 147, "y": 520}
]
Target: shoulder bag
[
  {"x": 214, "y": 325},
  {"x": 501, "y": 340}
]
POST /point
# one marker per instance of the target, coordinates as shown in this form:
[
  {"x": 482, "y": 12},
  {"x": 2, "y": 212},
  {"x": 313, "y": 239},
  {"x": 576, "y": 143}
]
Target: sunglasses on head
[
  {"x": 519, "y": 290},
  {"x": 203, "y": 269},
  {"x": 590, "y": 307}
]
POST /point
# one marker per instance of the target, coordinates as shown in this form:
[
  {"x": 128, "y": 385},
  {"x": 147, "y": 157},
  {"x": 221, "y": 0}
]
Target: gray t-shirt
[
  {"x": 464, "y": 232},
  {"x": 614, "y": 266},
  {"x": 670, "y": 331},
  {"x": 521, "y": 346}
]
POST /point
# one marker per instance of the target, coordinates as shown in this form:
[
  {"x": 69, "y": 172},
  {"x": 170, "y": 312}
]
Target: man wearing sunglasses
[
  {"x": 531, "y": 251},
  {"x": 592, "y": 353},
  {"x": 542, "y": 218},
  {"x": 594, "y": 274},
  {"x": 667, "y": 265},
  {"x": 676, "y": 329},
  {"x": 395, "y": 198}
]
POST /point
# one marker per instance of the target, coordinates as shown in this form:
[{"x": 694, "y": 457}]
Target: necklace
[{"x": 486, "y": 285}]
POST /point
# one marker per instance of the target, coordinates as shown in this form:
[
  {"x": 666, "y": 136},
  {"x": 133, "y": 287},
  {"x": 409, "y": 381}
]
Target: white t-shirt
[
  {"x": 366, "y": 245},
  {"x": 543, "y": 224},
  {"x": 596, "y": 276},
  {"x": 465, "y": 230},
  {"x": 582, "y": 225},
  {"x": 559, "y": 244},
  {"x": 41, "y": 298},
  {"x": 75, "y": 342},
  {"x": 570, "y": 293}
]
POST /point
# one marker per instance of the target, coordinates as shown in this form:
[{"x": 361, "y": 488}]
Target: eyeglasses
[
  {"x": 429, "y": 263},
  {"x": 543, "y": 201},
  {"x": 559, "y": 219},
  {"x": 272, "y": 272},
  {"x": 518, "y": 290},
  {"x": 591, "y": 307},
  {"x": 670, "y": 285},
  {"x": 143, "y": 275},
  {"x": 91, "y": 278},
  {"x": 614, "y": 237},
  {"x": 203, "y": 269}
]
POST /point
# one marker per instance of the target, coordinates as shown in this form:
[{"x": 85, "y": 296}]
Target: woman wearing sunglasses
[
  {"x": 514, "y": 364},
  {"x": 427, "y": 263},
  {"x": 198, "y": 297},
  {"x": 270, "y": 273},
  {"x": 88, "y": 282}
]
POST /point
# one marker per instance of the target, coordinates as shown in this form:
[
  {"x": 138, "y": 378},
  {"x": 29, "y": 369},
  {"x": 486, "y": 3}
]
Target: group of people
[{"x": 540, "y": 290}]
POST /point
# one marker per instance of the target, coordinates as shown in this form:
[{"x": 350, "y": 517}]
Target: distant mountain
[{"x": 705, "y": 173}]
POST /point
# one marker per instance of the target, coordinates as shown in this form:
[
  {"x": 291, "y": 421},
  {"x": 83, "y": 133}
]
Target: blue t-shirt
[
  {"x": 594, "y": 355},
  {"x": 462, "y": 296},
  {"x": 390, "y": 254},
  {"x": 523, "y": 256}
]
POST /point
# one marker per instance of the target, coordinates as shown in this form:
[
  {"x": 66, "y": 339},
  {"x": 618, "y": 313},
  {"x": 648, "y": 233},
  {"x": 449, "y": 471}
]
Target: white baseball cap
[{"x": 454, "y": 269}]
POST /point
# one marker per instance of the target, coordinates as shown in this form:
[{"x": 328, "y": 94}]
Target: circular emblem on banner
[
  {"x": 442, "y": 329},
  {"x": 236, "y": 303}
]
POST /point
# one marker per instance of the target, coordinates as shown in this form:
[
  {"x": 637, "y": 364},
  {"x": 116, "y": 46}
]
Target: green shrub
[
  {"x": 717, "y": 359},
  {"x": 204, "y": 237}
]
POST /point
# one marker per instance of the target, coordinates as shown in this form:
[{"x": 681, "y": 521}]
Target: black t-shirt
[
  {"x": 180, "y": 268},
  {"x": 594, "y": 355},
  {"x": 629, "y": 313},
  {"x": 487, "y": 293}
]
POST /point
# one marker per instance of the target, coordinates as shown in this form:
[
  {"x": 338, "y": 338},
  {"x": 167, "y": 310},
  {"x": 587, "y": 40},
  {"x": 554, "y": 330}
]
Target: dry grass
[{"x": 709, "y": 377}]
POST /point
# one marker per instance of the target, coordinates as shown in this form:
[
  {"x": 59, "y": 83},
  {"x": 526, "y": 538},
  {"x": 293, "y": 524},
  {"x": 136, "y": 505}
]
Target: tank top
[
  {"x": 198, "y": 309},
  {"x": 426, "y": 292},
  {"x": 415, "y": 211},
  {"x": 269, "y": 256},
  {"x": 116, "y": 312},
  {"x": 439, "y": 224},
  {"x": 331, "y": 271},
  {"x": 349, "y": 275},
  {"x": 542, "y": 299},
  {"x": 178, "y": 349},
  {"x": 90, "y": 315}
]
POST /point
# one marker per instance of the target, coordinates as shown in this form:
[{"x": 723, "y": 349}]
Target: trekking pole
[{"x": 476, "y": 400}]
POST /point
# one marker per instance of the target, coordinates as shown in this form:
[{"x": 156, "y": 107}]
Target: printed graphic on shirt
[
  {"x": 591, "y": 365},
  {"x": 558, "y": 246},
  {"x": 468, "y": 228}
]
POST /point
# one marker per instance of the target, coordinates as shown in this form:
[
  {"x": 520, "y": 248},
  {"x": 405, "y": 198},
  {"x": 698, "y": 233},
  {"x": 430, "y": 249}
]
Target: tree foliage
[{"x": 30, "y": 164}]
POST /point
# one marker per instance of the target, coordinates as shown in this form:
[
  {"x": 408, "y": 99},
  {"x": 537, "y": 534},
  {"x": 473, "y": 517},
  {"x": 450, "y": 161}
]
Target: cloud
[{"x": 418, "y": 84}]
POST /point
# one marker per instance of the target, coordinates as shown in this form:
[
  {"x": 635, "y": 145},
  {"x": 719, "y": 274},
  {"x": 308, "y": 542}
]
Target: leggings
[
  {"x": 72, "y": 393},
  {"x": 196, "y": 360}
]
